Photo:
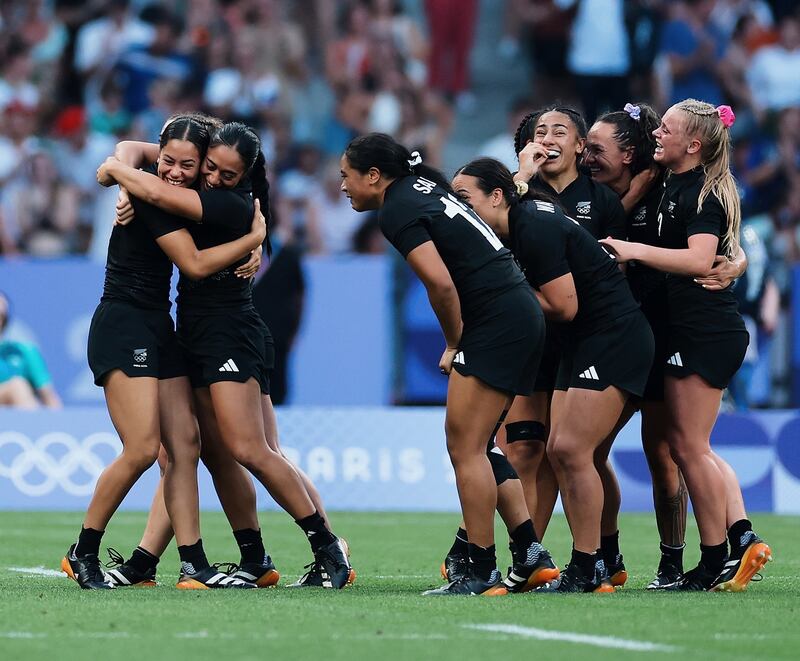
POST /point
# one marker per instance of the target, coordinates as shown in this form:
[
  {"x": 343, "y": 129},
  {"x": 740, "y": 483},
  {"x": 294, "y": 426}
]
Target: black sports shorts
[
  {"x": 618, "y": 355},
  {"x": 503, "y": 345},
  {"x": 714, "y": 356},
  {"x": 223, "y": 346},
  {"x": 138, "y": 341}
]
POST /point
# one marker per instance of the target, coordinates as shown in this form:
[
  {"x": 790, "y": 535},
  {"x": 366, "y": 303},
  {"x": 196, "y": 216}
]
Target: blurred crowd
[{"x": 76, "y": 76}]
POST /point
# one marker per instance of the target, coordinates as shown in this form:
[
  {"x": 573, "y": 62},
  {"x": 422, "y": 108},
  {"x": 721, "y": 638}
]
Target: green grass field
[{"x": 382, "y": 616}]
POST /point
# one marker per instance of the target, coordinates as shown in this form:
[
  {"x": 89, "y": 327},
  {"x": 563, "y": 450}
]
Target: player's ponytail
[
  {"x": 633, "y": 129},
  {"x": 711, "y": 126},
  {"x": 247, "y": 144},
  {"x": 382, "y": 152}
]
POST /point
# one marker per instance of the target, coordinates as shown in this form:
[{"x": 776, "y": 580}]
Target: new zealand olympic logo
[{"x": 54, "y": 470}]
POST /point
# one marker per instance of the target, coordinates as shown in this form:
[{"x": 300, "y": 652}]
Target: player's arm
[
  {"x": 197, "y": 264},
  {"x": 724, "y": 271},
  {"x": 136, "y": 154},
  {"x": 148, "y": 187},
  {"x": 431, "y": 270},
  {"x": 558, "y": 298},
  {"x": 641, "y": 184},
  {"x": 696, "y": 260}
]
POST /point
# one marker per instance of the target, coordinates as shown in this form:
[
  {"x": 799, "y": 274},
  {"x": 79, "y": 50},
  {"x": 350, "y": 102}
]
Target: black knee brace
[
  {"x": 526, "y": 430},
  {"x": 501, "y": 468}
]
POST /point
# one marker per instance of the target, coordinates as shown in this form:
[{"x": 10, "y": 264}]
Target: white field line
[
  {"x": 21, "y": 634},
  {"x": 38, "y": 571},
  {"x": 579, "y": 638}
]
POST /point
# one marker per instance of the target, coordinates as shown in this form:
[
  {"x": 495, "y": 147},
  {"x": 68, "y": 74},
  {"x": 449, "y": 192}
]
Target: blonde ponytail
[{"x": 706, "y": 122}]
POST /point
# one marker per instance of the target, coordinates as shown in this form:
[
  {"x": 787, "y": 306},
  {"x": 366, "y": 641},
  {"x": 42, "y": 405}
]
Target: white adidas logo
[
  {"x": 676, "y": 359},
  {"x": 459, "y": 358},
  {"x": 229, "y": 366},
  {"x": 591, "y": 373}
]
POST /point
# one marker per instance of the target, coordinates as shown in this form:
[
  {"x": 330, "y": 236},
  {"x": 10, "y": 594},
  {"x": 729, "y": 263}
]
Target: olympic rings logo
[{"x": 35, "y": 457}]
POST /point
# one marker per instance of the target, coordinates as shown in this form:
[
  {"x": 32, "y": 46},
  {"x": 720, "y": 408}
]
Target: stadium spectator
[
  {"x": 598, "y": 56},
  {"x": 501, "y": 146},
  {"x": 452, "y": 27},
  {"x": 545, "y": 27},
  {"x": 24, "y": 379},
  {"x": 693, "y": 48},
  {"x": 140, "y": 66},
  {"x": 773, "y": 71},
  {"x": 339, "y": 222}
]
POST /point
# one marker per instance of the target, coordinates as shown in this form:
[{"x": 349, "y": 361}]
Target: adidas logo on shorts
[
  {"x": 591, "y": 374},
  {"x": 459, "y": 358},
  {"x": 229, "y": 366},
  {"x": 675, "y": 359}
]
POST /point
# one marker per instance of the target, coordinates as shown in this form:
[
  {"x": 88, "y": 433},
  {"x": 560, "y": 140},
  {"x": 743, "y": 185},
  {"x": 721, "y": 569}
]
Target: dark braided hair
[
  {"x": 527, "y": 128},
  {"x": 247, "y": 144},
  {"x": 635, "y": 133},
  {"x": 210, "y": 123},
  {"x": 383, "y": 152},
  {"x": 186, "y": 128}
]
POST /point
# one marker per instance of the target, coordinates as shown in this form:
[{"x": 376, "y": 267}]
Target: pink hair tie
[{"x": 726, "y": 115}]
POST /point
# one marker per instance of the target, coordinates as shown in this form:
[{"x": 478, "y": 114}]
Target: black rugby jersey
[
  {"x": 548, "y": 245},
  {"x": 595, "y": 206},
  {"x": 691, "y": 306},
  {"x": 642, "y": 227},
  {"x": 227, "y": 216},
  {"x": 417, "y": 210},
  {"x": 137, "y": 270}
]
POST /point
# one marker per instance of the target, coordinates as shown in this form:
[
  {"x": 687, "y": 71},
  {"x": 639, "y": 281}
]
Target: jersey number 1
[{"x": 453, "y": 208}]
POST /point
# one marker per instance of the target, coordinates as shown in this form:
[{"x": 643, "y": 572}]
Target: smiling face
[
  {"x": 179, "y": 163},
  {"x": 361, "y": 188},
  {"x": 556, "y": 131},
  {"x": 222, "y": 168},
  {"x": 604, "y": 158},
  {"x": 675, "y": 149}
]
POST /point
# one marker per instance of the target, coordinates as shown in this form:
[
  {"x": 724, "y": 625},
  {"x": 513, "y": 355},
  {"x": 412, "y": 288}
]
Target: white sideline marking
[
  {"x": 38, "y": 571},
  {"x": 20, "y": 634},
  {"x": 580, "y": 638}
]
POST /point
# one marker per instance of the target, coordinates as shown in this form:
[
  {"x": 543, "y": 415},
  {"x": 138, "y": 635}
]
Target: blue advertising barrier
[
  {"x": 365, "y": 459},
  {"x": 345, "y": 331}
]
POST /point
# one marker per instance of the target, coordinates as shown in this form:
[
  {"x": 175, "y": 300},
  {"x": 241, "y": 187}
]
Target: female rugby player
[
  {"x": 607, "y": 350},
  {"x": 559, "y": 134},
  {"x": 224, "y": 338},
  {"x": 492, "y": 324},
  {"x": 698, "y": 219},
  {"x": 135, "y": 357},
  {"x": 619, "y": 153}
]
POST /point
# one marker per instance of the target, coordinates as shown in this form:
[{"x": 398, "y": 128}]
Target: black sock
[
  {"x": 714, "y": 557},
  {"x": 251, "y": 546},
  {"x": 738, "y": 537},
  {"x": 483, "y": 561},
  {"x": 142, "y": 560},
  {"x": 194, "y": 555},
  {"x": 88, "y": 542},
  {"x": 674, "y": 554},
  {"x": 584, "y": 562},
  {"x": 460, "y": 544},
  {"x": 609, "y": 548},
  {"x": 523, "y": 536},
  {"x": 314, "y": 528}
]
